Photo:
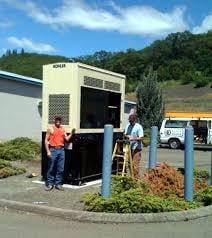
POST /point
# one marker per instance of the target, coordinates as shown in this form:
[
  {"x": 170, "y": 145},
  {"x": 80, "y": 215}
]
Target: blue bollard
[
  {"x": 188, "y": 164},
  {"x": 107, "y": 160},
  {"x": 153, "y": 147}
]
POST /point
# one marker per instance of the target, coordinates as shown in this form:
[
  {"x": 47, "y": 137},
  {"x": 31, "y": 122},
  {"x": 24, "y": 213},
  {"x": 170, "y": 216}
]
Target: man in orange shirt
[{"x": 54, "y": 144}]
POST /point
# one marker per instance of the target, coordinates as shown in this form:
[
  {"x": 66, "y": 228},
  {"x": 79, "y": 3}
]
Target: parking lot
[
  {"x": 202, "y": 159},
  {"x": 20, "y": 188}
]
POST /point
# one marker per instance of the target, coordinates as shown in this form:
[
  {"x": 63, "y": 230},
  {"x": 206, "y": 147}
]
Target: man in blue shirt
[{"x": 134, "y": 133}]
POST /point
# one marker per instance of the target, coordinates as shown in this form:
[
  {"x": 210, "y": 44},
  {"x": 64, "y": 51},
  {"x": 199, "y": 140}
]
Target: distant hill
[
  {"x": 184, "y": 98},
  {"x": 28, "y": 64},
  {"x": 181, "y": 57}
]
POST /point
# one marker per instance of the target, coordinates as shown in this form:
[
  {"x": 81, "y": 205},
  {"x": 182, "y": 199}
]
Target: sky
[{"x": 79, "y": 27}]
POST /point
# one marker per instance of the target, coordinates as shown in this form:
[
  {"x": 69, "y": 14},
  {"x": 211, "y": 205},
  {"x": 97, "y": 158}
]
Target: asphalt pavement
[
  {"x": 20, "y": 225},
  {"x": 26, "y": 225},
  {"x": 202, "y": 159}
]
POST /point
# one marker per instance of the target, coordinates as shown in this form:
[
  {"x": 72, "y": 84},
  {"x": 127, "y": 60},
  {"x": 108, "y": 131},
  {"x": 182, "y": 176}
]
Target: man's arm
[
  {"x": 47, "y": 143},
  {"x": 68, "y": 137}
]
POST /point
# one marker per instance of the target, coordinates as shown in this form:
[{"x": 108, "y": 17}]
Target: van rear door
[
  {"x": 209, "y": 140},
  {"x": 200, "y": 131}
]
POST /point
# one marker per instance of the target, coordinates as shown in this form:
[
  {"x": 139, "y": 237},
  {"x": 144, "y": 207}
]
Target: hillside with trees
[
  {"x": 184, "y": 58},
  {"x": 181, "y": 57},
  {"x": 28, "y": 64}
]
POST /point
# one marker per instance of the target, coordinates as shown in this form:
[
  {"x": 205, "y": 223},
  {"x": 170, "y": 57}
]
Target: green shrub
[
  {"x": 198, "y": 173},
  {"x": 121, "y": 184},
  {"x": 96, "y": 203},
  {"x": 19, "y": 149},
  {"x": 135, "y": 201},
  {"x": 130, "y": 196},
  {"x": 199, "y": 83},
  {"x": 25, "y": 142},
  {"x": 4, "y": 163},
  {"x": 6, "y": 169},
  {"x": 177, "y": 204},
  {"x": 146, "y": 140},
  {"x": 201, "y": 174},
  {"x": 200, "y": 80},
  {"x": 186, "y": 77},
  {"x": 204, "y": 196}
]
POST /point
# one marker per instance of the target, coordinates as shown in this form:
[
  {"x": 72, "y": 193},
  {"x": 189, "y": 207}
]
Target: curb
[{"x": 99, "y": 217}]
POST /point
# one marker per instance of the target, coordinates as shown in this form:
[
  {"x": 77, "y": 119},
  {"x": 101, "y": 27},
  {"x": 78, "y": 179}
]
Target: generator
[{"x": 86, "y": 98}]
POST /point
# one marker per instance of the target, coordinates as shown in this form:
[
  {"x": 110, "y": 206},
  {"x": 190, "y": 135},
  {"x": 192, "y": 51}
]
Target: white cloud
[
  {"x": 30, "y": 45},
  {"x": 5, "y": 24},
  {"x": 138, "y": 19},
  {"x": 205, "y": 26}
]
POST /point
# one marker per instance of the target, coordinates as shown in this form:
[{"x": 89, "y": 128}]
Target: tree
[
  {"x": 22, "y": 51},
  {"x": 187, "y": 77},
  {"x": 14, "y": 52},
  {"x": 200, "y": 80},
  {"x": 150, "y": 105},
  {"x": 8, "y": 52}
]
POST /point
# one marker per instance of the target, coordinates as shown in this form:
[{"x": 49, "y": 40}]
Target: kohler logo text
[{"x": 59, "y": 66}]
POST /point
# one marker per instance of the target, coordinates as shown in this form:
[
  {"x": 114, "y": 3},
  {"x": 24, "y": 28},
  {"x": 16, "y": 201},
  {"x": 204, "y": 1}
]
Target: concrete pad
[{"x": 88, "y": 184}]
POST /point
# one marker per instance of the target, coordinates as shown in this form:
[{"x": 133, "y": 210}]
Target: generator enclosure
[{"x": 86, "y": 98}]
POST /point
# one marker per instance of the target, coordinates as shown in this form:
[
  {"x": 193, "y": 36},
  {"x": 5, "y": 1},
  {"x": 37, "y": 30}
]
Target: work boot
[
  {"x": 59, "y": 187},
  {"x": 48, "y": 187}
]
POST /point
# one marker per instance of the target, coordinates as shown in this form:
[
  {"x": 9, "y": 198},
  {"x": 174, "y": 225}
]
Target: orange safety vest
[{"x": 57, "y": 137}]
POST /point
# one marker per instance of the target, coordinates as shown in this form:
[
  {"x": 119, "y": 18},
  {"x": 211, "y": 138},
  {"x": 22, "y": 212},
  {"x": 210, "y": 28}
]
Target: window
[
  {"x": 199, "y": 126},
  {"x": 128, "y": 107},
  {"x": 99, "y": 107},
  {"x": 175, "y": 124}
]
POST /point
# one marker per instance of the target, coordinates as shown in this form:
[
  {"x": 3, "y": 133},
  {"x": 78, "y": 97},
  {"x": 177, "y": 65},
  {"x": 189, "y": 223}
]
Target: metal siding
[{"x": 19, "y": 110}]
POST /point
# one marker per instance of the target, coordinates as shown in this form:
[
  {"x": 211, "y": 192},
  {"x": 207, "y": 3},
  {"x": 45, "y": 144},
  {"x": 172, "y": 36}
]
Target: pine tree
[
  {"x": 22, "y": 51},
  {"x": 8, "y": 52},
  {"x": 150, "y": 104},
  {"x": 14, "y": 52}
]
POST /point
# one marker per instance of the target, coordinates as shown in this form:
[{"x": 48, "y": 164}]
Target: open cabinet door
[{"x": 209, "y": 139}]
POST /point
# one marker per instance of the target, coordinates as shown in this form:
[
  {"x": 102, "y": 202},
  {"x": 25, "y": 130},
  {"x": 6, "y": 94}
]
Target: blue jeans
[{"x": 56, "y": 167}]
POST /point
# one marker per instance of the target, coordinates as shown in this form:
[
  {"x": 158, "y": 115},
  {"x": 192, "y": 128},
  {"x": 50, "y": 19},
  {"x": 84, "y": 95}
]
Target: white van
[{"x": 172, "y": 131}]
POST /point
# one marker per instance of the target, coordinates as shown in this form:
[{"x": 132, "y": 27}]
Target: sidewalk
[{"x": 22, "y": 189}]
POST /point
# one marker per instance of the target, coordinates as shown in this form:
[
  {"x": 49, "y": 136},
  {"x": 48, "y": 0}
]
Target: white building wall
[{"x": 19, "y": 112}]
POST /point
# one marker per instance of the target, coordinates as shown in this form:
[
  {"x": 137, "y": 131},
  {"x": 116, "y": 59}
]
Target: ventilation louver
[
  {"x": 112, "y": 86},
  {"x": 59, "y": 106},
  {"x": 89, "y": 81}
]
